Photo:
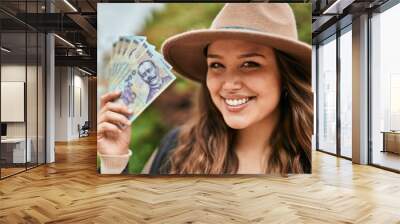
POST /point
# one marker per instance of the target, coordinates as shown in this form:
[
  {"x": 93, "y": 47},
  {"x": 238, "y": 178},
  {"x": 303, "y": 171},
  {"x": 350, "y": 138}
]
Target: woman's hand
[{"x": 113, "y": 126}]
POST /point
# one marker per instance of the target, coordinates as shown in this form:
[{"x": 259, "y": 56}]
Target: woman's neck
[{"x": 252, "y": 143}]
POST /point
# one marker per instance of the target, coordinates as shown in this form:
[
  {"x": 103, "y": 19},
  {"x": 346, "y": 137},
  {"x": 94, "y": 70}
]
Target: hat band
[{"x": 237, "y": 27}]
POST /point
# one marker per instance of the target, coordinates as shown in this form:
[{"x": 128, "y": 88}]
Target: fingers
[
  {"x": 114, "y": 118},
  {"x": 115, "y": 107},
  {"x": 106, "y": 128},
  {"x": 109, "y": 97}
]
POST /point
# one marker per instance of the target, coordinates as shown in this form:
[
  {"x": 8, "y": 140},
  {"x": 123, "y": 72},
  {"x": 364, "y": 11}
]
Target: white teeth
[{"x": 236, "y": 102}]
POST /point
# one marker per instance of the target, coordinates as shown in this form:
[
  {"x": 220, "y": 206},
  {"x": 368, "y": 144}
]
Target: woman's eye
[
  {"x": 215, "y": 65},
  {"x": 251, "y": 64}
]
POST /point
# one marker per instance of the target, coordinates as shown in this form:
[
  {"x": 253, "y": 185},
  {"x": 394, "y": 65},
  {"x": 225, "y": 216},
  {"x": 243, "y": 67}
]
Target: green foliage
[
  {"x": 147, "y": 131},
  {"x": 178, "y": 18},
  {"x": 302, "y": 12}
]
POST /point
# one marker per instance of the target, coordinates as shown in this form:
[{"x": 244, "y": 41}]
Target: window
[
  {"x": 346, "y": 93},
  {"x": 22, "y": 75},
  {"x": 327, "y": 96},
  {"x": 385, "y": 89}
]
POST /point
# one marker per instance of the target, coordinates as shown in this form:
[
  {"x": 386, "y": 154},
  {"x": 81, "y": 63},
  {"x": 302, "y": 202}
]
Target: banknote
[
  {"x": 120, "y": 56},
  {"x": 123, "y": 57},
  {"x": 137, "y": 70}
]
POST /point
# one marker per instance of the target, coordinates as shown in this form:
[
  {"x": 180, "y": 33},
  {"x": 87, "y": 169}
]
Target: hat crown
[{"x": 272, "y": 18}]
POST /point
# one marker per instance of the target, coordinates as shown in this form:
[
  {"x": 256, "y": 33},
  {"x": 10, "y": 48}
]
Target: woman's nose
[{"x": 232, "y": 82}]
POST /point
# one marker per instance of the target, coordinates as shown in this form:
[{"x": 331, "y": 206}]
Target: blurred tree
[
  {"x": 302, "y": 12},
  {"x": 147, "y": 130}
]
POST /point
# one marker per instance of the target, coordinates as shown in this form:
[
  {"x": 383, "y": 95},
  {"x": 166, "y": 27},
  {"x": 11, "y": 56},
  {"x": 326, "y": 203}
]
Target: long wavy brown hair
[{"x": 206, "y": 143}]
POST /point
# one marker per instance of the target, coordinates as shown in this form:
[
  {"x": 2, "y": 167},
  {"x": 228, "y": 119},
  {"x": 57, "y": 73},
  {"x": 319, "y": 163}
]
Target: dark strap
[{"x": 160, "y": 163}]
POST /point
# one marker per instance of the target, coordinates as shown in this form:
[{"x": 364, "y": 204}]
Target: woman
[{"x": 254, "y": 114}]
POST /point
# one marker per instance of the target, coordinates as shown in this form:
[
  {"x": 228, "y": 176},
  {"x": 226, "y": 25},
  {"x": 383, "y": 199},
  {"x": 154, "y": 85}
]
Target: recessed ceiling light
[
  {"x": 337, "y": 7},
  {"x": 71, "y": 6},
  {"x": 64, "y": 40},
  {"x": 84, "y": 71},
  {"x": 5, "y": 50}
]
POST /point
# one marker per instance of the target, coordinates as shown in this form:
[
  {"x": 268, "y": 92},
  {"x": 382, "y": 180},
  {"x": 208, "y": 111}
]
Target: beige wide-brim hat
[{"x": 270, "y": 24}]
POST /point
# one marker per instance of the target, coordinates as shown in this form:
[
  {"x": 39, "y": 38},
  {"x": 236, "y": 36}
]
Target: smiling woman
[
  {"x": 254, "y": 114},
  {"x": 244, "y": 83}
]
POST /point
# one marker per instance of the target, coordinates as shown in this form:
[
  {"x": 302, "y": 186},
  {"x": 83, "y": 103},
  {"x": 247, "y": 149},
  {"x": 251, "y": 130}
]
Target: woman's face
[{"x": 243, "y": 81}]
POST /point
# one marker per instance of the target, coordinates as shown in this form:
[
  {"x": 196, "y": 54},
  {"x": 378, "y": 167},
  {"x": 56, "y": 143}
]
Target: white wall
[
  {"x": 16, "y": 73},
  {"x": 71, "y": 93},
  {"x": 33, "y": 127},
  {"x": 61, "y": 104},
  {"x": 12, "y": 73},
  {"x": 80, "y": 110}
]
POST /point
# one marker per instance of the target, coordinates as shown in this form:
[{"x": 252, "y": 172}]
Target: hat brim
[{"x": 185, "y": 51}]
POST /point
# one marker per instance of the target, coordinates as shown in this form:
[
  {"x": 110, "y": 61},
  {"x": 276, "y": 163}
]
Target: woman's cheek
[
  {"x": 268, "y": 91},
  {"x": 273, "y": 98},
  {"x": 212, "y": 84}
]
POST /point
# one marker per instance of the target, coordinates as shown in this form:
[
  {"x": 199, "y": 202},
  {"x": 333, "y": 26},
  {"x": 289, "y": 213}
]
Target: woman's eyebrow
[
  {"x": 246, "y": 55},
  {"x": 253, "y": 54},
  {"x": 213, "y": 56}
]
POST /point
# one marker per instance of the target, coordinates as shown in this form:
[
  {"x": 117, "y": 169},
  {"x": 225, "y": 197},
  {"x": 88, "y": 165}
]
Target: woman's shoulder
[{"x": 168, "y": 142}]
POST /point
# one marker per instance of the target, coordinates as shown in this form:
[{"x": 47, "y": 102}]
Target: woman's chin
[{"x": 236, "y": 123}]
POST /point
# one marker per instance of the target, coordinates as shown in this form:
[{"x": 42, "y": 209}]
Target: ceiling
[
  {"x": 74, "y": 21},
  {"x": 332, "y": 15}
]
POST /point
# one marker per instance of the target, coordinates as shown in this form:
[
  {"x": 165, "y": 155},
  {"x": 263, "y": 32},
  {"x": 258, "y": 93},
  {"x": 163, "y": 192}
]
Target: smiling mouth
[{"x": 237, "y": 101}]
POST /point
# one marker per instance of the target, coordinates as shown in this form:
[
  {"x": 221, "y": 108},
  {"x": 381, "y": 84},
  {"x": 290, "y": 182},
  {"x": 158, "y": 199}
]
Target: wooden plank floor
[
  {"x": 70, "y": 191},
  {"x": 10, "y": 171}
]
